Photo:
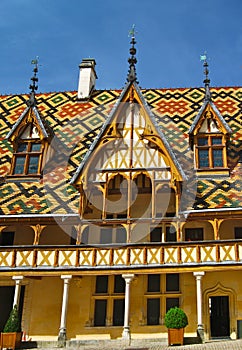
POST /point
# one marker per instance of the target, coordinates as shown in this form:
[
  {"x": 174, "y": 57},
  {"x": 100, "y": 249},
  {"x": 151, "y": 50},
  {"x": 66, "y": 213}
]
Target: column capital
[
  {"x": 17, "y": 278},
  {"x": 66, "y": 277},
  {"x": 198, "y": 274},
  {"x": 128, "y": 277}
]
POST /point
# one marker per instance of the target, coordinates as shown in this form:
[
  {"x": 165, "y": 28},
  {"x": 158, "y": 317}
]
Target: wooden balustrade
[{"x": 131, "y": 255}]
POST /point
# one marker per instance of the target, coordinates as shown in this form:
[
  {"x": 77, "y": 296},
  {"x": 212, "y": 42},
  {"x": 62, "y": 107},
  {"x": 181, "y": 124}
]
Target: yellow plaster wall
[
  {"x": 207, "y": 229},
  {"x": 227, "y": 228},
  {"x": 24, "y": 234},
  {"x": 51, "y": 234},
  {"x": 141, "y": 206},
  {"x": 79, "y": 305},
  {"x": 94, "y": 234},
  {"x": 45, "y": 307},
  {"x": 215, "y": 283},
  {"x": 139, "y": 232},
  {"x": 46, "y": 300},
  {"x": 54, "y": 234},
  {"x": 188, "y": 301},
  {"x": 223, "y": 283},
  {"x": 81, "y": 309}
]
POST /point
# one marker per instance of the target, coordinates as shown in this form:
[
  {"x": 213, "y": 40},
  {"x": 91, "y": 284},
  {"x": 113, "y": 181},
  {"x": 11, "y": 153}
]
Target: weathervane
[
  {"x": 206, "y": 72},
  {"x": 33, "y": 87},
  {"x": 132, "y": 31},
  {"x": 132, "y": 59}
]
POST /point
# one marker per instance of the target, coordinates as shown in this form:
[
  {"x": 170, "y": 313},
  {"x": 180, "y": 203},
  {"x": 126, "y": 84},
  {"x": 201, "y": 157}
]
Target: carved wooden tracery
[{"x": 130, "y": 168}]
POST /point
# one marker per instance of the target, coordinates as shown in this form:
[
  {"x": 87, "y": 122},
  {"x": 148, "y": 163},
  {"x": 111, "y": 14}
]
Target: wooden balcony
[{"x": 159, "y": 256}]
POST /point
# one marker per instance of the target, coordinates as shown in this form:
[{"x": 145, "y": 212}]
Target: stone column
[
  {"x": 126, "y": 330},
  {"x": 62, "y": 331},
  {"x": 18, "y": 280},
  {"x": 200, "y": 326}
]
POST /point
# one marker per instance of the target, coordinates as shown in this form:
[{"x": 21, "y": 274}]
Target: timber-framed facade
[{"x": 128, "y": 203}]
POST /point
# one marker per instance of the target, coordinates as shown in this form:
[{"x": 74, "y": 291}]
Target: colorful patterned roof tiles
[{"x": 76, "y": 125}]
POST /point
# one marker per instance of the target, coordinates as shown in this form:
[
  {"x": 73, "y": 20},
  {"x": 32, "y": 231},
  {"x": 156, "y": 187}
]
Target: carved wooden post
[
  {"x": 216, "y": 225},
  {"x": 37, "y": 232}
]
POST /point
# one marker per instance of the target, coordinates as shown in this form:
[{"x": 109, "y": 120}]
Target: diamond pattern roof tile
[{"x": 77, "y": 124}]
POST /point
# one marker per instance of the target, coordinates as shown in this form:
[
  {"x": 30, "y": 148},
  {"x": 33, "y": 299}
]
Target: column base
[
  {"x": 126, "y": 334},
  {"x": 200, "y": 332},
  {"x": 62, "y": 338}
]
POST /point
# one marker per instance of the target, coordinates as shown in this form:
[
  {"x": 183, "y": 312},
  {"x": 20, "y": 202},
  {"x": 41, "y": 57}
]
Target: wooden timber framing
[{"x": 142, "y": 257}]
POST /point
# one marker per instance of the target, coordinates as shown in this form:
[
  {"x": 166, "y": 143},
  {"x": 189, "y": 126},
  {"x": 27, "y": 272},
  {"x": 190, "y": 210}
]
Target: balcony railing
[{"x": 130, "y": 256}]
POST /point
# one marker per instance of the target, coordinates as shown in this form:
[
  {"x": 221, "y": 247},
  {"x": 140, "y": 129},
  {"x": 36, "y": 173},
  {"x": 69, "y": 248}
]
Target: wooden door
[{"x": 219, "y": 317}]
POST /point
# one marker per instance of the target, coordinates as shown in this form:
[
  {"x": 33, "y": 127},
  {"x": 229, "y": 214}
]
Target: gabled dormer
[
  {"x": 209, "y": 135},
  {"x": 130, "y": 172},
  {"x": 130, "y": 139},
  {"x": 30, "y": 137}
]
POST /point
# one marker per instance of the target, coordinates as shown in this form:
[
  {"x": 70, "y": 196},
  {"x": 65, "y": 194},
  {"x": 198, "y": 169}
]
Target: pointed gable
[
  {"x": 209, "y": 119},
  {"x": 30, "y": 116},
  {"x": 30, "y": 137},
  {"x": 30, "y": 120},
  {"x": 208, "y": 136},
  {"x": 130, "y": 139}
]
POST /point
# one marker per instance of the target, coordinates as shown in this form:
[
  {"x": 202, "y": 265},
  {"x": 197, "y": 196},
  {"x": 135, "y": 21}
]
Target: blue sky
[{"x": 171, "y": 35}]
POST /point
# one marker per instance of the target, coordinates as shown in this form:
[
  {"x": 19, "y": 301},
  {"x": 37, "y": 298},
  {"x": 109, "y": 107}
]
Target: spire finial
[
  {"x": 33, "y": 86},
  {"x": 132, "y": 59},
  {"x": 206, "y": 80}
]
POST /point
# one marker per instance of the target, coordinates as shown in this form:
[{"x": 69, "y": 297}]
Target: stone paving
[
  {"x": 216, "y": 345},
  {"x": 146, "y": 345}
]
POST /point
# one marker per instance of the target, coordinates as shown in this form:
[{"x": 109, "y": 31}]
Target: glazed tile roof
[{"x": 77, "y": 124}]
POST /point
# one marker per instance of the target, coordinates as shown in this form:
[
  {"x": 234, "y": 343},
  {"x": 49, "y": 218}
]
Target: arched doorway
[{"x": 220, "y": 311}]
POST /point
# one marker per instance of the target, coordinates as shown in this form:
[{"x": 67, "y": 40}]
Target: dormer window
[
  {"x": 209, "y": 135},
  {"x": 28, "y": 151},
  {"x": 30, "y": 137},
  {"x": 210, "y": 151},
  {"x": 27, "y": 159}
]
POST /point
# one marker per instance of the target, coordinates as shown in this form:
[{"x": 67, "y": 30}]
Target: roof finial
[
  {"x": 132, "y": 59},
  {"x": 33, "y": 87},
  {"x": 206, "y": 80}
]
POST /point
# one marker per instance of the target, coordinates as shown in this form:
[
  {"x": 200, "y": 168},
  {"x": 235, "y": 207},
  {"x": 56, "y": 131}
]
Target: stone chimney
[{"x": 87, "y": 78}]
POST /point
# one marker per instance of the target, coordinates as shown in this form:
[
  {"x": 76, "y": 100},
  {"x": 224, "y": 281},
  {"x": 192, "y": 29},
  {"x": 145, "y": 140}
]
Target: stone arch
[{"x": 220, "y": 290}]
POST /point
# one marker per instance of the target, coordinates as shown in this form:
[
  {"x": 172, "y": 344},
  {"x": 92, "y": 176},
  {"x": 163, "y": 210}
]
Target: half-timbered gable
[
  {"x": 130, "y": 174},
  {"x": 116, "y": 205}
]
